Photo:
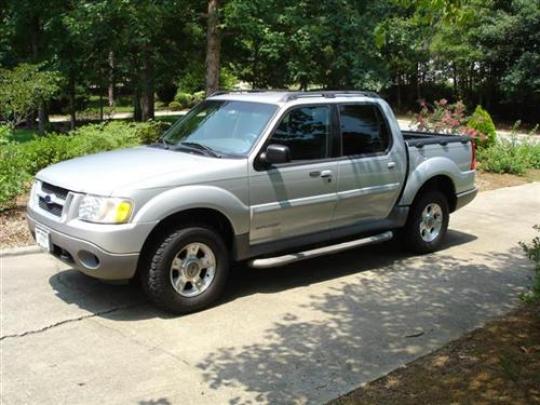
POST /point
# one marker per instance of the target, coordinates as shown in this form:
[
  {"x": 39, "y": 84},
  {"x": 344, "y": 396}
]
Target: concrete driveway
[{"x": 303, "y": 333}]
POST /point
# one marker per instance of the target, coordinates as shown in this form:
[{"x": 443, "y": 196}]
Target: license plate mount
[{"x": 43, "y": 239}]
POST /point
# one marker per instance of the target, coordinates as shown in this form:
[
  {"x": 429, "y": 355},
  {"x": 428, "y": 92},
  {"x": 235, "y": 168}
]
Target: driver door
[{"x": 299, "y": 197}]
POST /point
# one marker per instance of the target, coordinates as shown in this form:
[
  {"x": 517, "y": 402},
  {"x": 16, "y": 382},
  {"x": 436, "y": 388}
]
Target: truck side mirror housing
[{"x": 276, "y": 153}]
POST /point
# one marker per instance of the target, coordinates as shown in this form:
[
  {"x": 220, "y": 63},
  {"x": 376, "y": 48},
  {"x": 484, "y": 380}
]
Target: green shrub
[
  {"x": 166, "y": 92},
  {"x": 19, "y": 162},
  {"x": 175, "y": 106},
  {"x": 532, "y": 251},
  {"x": 198, "y": 97},
  {"x": 184, "y": 99},
  {"x": 510, "y": 156},
  {"x": 13, "y": 177},
  {"x": 5, "y": 134},
  {"x": 149, "y": 132},
  {"x": 481, "y": 121}
]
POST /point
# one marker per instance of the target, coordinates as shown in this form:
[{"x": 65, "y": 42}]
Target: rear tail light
[{"x": 473, "y": 157}]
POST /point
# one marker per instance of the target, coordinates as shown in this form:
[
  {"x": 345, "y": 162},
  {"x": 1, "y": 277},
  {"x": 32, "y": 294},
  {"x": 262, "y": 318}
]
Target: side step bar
[{"x": 309, "y": 254}]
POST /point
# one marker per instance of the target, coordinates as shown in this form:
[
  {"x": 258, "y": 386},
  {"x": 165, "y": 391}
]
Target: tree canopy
[{"x": 481, "y": 51}]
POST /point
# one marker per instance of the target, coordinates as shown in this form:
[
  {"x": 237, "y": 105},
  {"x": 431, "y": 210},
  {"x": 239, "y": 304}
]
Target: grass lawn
[{"x": 22, "y": 135}]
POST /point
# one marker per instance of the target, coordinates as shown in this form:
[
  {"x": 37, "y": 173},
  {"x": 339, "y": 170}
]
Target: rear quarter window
[{"x": 363, "y": 130}]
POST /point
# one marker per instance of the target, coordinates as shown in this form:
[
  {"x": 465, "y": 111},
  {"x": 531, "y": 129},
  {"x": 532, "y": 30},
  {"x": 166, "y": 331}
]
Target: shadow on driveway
[
  {"x": 364, "y": 326},
  {"x": 103, "y": 299}
]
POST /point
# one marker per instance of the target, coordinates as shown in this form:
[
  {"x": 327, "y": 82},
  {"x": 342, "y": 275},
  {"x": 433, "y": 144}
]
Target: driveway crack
[{"x": 66, "y": 321}]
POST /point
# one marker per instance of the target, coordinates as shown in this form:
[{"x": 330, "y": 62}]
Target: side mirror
[{"x": 276, "y": 153}]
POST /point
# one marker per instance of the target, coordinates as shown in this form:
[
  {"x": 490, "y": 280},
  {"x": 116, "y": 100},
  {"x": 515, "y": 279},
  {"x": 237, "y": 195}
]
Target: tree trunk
[
  {"x": 72, "y": 101},
  {"x": 43, "y": 117},
  {"x": 147, "y": 101},
  {"x": 398, "y": 91},
  {"x": 213, "y": 45},
  {"x": 100, "y": 104},
  {"x": 418, "y": 92},
  {"x": 111, "y": 79},
  {"x": 137, "y": 112},
  {"x": 34, "y": 45}
]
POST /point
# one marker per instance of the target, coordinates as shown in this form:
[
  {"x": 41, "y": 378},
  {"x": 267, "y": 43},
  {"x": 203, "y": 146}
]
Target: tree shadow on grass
[{"x": 359, "y": 330}]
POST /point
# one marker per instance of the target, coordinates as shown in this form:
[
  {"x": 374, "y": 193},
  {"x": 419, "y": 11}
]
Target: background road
[{"x": 307, "y": 332}]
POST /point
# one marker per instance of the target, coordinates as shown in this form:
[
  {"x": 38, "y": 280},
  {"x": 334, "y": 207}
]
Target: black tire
[
  {"x": 411, "y": 234},
  {"x": 156, "y": 277}
]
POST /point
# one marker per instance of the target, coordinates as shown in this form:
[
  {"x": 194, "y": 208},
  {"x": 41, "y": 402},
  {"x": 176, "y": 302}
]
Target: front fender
[
  {"x": 187, "y": 197},
  {"x": 432, "y": 167}
]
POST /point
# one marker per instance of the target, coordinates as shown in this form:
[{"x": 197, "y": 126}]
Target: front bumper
[{"x": 86, "y": 256}]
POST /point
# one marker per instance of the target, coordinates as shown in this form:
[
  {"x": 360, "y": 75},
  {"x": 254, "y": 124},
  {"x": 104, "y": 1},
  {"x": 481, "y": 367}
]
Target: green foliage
[
  {"x": 19, "y": 162},
  {"x": 150, "y": 131},
  {"x": 5, "y": 134},
  {"x": 23, "y": 88},
  {"x": 198, "y": 97},
  {"x": 532, "y": 251},
  {"x": 510, "y": 156},
  {"x": 184, "y": 99},
  {"x": 481, "y": 121},
  {"x": 175, "y": 106},
  {"x": 166, "y": 92},
  {"x": 480, "y": 52}
]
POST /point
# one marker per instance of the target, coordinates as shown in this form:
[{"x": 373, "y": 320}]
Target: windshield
[{"x": 222, "y": 126}]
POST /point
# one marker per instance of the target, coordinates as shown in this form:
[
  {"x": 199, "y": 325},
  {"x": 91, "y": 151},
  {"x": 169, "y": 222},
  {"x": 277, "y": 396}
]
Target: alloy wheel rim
[
  {"x": 193, "y": 269},
  {"x": 431, "y": 222}
]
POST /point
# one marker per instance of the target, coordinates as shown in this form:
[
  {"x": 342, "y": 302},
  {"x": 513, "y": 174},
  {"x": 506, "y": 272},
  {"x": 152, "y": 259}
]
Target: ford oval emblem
[{"x": 47, "y": 199}]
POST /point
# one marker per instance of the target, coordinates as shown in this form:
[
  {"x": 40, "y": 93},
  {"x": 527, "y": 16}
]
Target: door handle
[
  {"x": 391, "y": 165},
  {"x": 326, "y": 174}
]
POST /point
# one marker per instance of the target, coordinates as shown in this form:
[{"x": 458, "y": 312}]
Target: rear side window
[
  {"x": 305, "y": 131},
  {"x": 363, "y": 130}
]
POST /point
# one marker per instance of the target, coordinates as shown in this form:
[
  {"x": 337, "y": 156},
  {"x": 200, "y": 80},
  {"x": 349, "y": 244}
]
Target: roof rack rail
[
  {"x": 328, "y": 94},
  {"x": 293, "y": 95},
  {"x": 220, "y": 92}
]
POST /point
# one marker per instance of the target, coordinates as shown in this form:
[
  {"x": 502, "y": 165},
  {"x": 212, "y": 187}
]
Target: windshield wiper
[
  {"x": 162, "y": 143},
  {"x": 198, "y": 146}
]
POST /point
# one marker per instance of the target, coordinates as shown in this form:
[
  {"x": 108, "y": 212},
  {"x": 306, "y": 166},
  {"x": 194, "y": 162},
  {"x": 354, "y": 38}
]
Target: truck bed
[{"x": 420, "y": 139}]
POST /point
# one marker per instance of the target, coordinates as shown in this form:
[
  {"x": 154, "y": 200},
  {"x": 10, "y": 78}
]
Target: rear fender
[{"x": 432, "y": 167}]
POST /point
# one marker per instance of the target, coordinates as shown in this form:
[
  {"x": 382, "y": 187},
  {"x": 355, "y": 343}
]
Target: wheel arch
[
  {"x": 441, "y": 183},
  {"x": 205, "y": 217}
]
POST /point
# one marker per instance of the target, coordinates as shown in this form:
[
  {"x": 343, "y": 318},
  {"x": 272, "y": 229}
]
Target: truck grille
[
  {"x": 57, "y": 191},
  {"x": 53, "y": 208},
  {"x": 52, "y": 199}
]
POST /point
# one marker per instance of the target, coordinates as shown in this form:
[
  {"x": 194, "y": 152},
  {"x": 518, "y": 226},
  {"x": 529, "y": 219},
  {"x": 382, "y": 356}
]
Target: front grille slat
[
  {"x": 52, "y": 198},
  {"x": 52, "y": 189},
  {"x": 53, "y": 208}
]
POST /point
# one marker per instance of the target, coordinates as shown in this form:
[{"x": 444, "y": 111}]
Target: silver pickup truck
[{"x": 263, "y": 177}]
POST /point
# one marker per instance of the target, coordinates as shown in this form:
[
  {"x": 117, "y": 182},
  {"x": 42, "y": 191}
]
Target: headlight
[
  {"x": 105, "y": 210},
  {"x": 33, "y": 193}
]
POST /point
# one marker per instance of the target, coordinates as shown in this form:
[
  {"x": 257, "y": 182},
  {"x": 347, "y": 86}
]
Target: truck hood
[{"x": 106, "y": 172}]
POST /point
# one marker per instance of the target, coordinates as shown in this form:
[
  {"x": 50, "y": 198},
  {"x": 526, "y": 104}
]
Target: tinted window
[
  {"x": 305, "y": 131},
  {"x": 363, "y": 130}
]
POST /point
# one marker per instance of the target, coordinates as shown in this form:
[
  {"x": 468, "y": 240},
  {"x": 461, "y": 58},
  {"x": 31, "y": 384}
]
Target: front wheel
[
  {"x": 427, "y": 224},
  {"x": 188, "y": 270}
]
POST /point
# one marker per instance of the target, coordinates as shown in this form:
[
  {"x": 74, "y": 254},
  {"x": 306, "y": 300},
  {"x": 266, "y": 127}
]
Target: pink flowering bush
[{"x": 445, "y": 118}]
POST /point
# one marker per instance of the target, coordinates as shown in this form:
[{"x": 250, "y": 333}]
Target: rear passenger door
[
  {"x": 369, "y": 179},
  {"x": 298, "y": 197}
]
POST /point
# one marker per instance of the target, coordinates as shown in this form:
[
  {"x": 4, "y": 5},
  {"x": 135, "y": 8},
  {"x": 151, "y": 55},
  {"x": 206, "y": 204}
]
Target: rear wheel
[
  {"x": 188, "y": 270},
  {"x": 427, "y": 224}
]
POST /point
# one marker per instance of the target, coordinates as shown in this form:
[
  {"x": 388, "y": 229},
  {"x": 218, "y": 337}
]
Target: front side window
[
  {"x": 305, "y": 130},
  {"x": 363, "y": 130},
  {"x": 226, "y": 127}
]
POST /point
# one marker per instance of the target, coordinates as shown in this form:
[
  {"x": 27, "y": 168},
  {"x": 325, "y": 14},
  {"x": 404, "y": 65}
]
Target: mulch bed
[{"x": 496, "y": 364}]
